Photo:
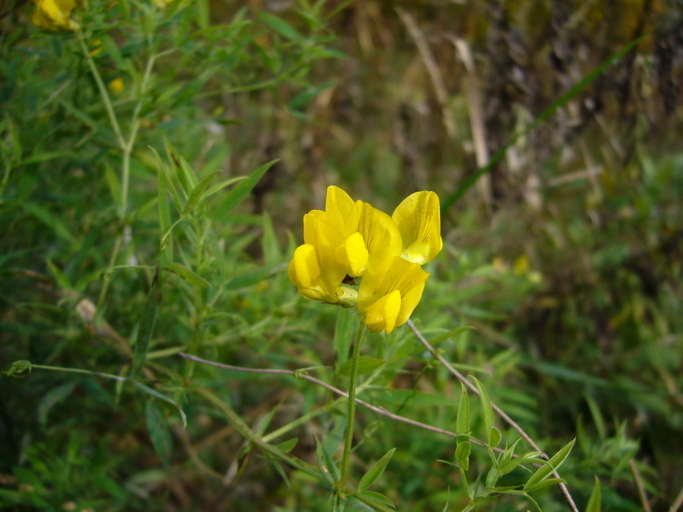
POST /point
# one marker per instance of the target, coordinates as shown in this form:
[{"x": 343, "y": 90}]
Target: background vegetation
[{"x": 549, "y": 129}]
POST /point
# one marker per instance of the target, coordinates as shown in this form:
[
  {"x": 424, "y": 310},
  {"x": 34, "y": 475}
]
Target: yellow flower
[
  {"x": 54, "y": 15},
  {"x": 116, "y": 86},
  {"x": 353, "y": 239},
  {"x": 389, "y": 293},
  {"x": 419, "y": 221}
]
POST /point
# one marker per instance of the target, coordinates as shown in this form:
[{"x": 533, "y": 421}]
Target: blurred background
[{"x": 549, "y": 129}]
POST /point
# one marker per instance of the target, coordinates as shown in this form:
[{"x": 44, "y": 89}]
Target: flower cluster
[
  {"x": 54, "y": 15},
  {"x": 351, "y": 240}
]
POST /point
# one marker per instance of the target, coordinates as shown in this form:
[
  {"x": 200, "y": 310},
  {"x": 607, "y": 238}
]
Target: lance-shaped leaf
[
  {"x": 197, "y": 194},
  {"x": 158, "y": 432},
  {"x": 549, "y": 467},
  {"x": 146, "y": 327},
  {"x": 375, "y": 471},
  {"x": 237, "y": 194},
  {"x": 189, "y": 276}
]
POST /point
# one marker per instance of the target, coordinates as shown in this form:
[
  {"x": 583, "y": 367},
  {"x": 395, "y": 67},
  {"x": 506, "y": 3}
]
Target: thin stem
[
  {"x": 77, "y": 370},
  {"x": 352, "y": 405},
  {"x": 379, "y": 410},
  {"x": 498, "y": 410}
]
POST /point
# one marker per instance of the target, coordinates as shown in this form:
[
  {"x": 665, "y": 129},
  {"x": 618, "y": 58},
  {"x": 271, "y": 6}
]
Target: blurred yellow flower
[
  {"x": 116, "y": 86},
  {"x": 54, "y": 15},
  {"x": 352, "y": 240}
]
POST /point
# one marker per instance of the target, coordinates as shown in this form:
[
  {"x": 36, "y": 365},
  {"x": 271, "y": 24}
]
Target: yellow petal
[
  {"x": 338, "y": 205},
  {"x": 383, "y": 313},
  {"x": 392, "y": 274},
  {"x": 353, "y": 254},
  {"x": 304, "y": 269},
  {"x": 382, "y": 237},
  {"x": 419, "y": 221}
]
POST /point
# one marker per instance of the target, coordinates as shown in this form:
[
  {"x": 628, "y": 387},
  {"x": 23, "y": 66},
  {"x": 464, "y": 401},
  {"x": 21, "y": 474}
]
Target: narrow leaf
[
  {"x": 146, "y": 327},
  {"x": 197, "y": 193},
  {"x": 462, "y": 423},
  {"x": 378, "y": 498},
  {"x": 366, "y": 364},
  {"x": 237, "y": 194},
  {"x": 254, "y": 277},
  {"x": 164, "y": 174},
  {"x": 281, "y": 27},
  {"x": 182, "y": 169},
  {"x": 462, "y": 454},
  {"x": 164, "y": 398},
  {"x": 189, "y": 276},
  {"x": 594, "y": 500},
  {"x": 375, "y": 471},
  {"x": 158, "y": 432},
  {"x": 486, "y": 409},
  {"x": 166, "y": 246},
  {"x": 548, "y": 467},
  {"x": 49, "y": 219}
]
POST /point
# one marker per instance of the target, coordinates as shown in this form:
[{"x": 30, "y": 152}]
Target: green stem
[
  {"x": 77, "y": 370},
  {"x": 352, "y": 406}
]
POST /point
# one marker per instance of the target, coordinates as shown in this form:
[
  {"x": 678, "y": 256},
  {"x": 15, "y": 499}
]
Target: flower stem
[{"x": 352, "y": 405}]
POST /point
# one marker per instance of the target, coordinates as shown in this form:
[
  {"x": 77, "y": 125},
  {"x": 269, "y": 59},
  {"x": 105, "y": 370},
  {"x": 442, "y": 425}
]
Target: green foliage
[{"x": 155, "y": 168}]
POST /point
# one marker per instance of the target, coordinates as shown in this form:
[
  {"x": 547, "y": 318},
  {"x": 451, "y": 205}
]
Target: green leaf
[
  {"x": 51, "y": 220},
  {"x": 164, "y": 174},
  {"x": 327, "y": 466},
  {"x": 164, "y": 221},
  {"x": 164, "y": 398},
  {"x": 548, "y": 467},
  {"x": 183, "y": 171},
  {"x": 343, "y": 335},
  {"x": 462, "y": 423},
  {"x": 254, "y": 277},
  {"x": 281, "y": 27},
  {"x": 409, "y": 397},
  {"x": 220, "y": 186},
  {"x": 545, "y": 483},
  {"x": 486, "y": 409},
  {"x": 237, "y": 194},
  {"x": 158, "y": 432},
  {"x": 378, "y": 498},
  {"x": 288, "y": 446},
  {"x": 189, "y": 276},
  {"x": 52, "y": 398},
  {"x": 494, "y": 436},
  {"x": 146, "y": 327},
  {"x": 375, "y": 471},
  {"x": 594, "y": 500},
  {"x": 366, "y": 364},
  {"x": 303, "y": 99},
  {"x": 113, "y": 184},
  {"x": 462, "y": 454},
  {"x": 59, "y": 276},
  {"x": 197, "y": 194}
]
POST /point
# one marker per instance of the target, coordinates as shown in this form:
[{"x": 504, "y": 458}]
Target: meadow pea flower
[
  {"x": 54, "y": 15},
  {"x": 419, "y": 221},
  {"x": 389, "y": 293},
  {"x": 350, "y": 240}
]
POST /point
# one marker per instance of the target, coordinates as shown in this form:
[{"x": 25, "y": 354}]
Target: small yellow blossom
[
  {"x": 54, "y": 15},
  {"x": 116, "y": 86}
]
